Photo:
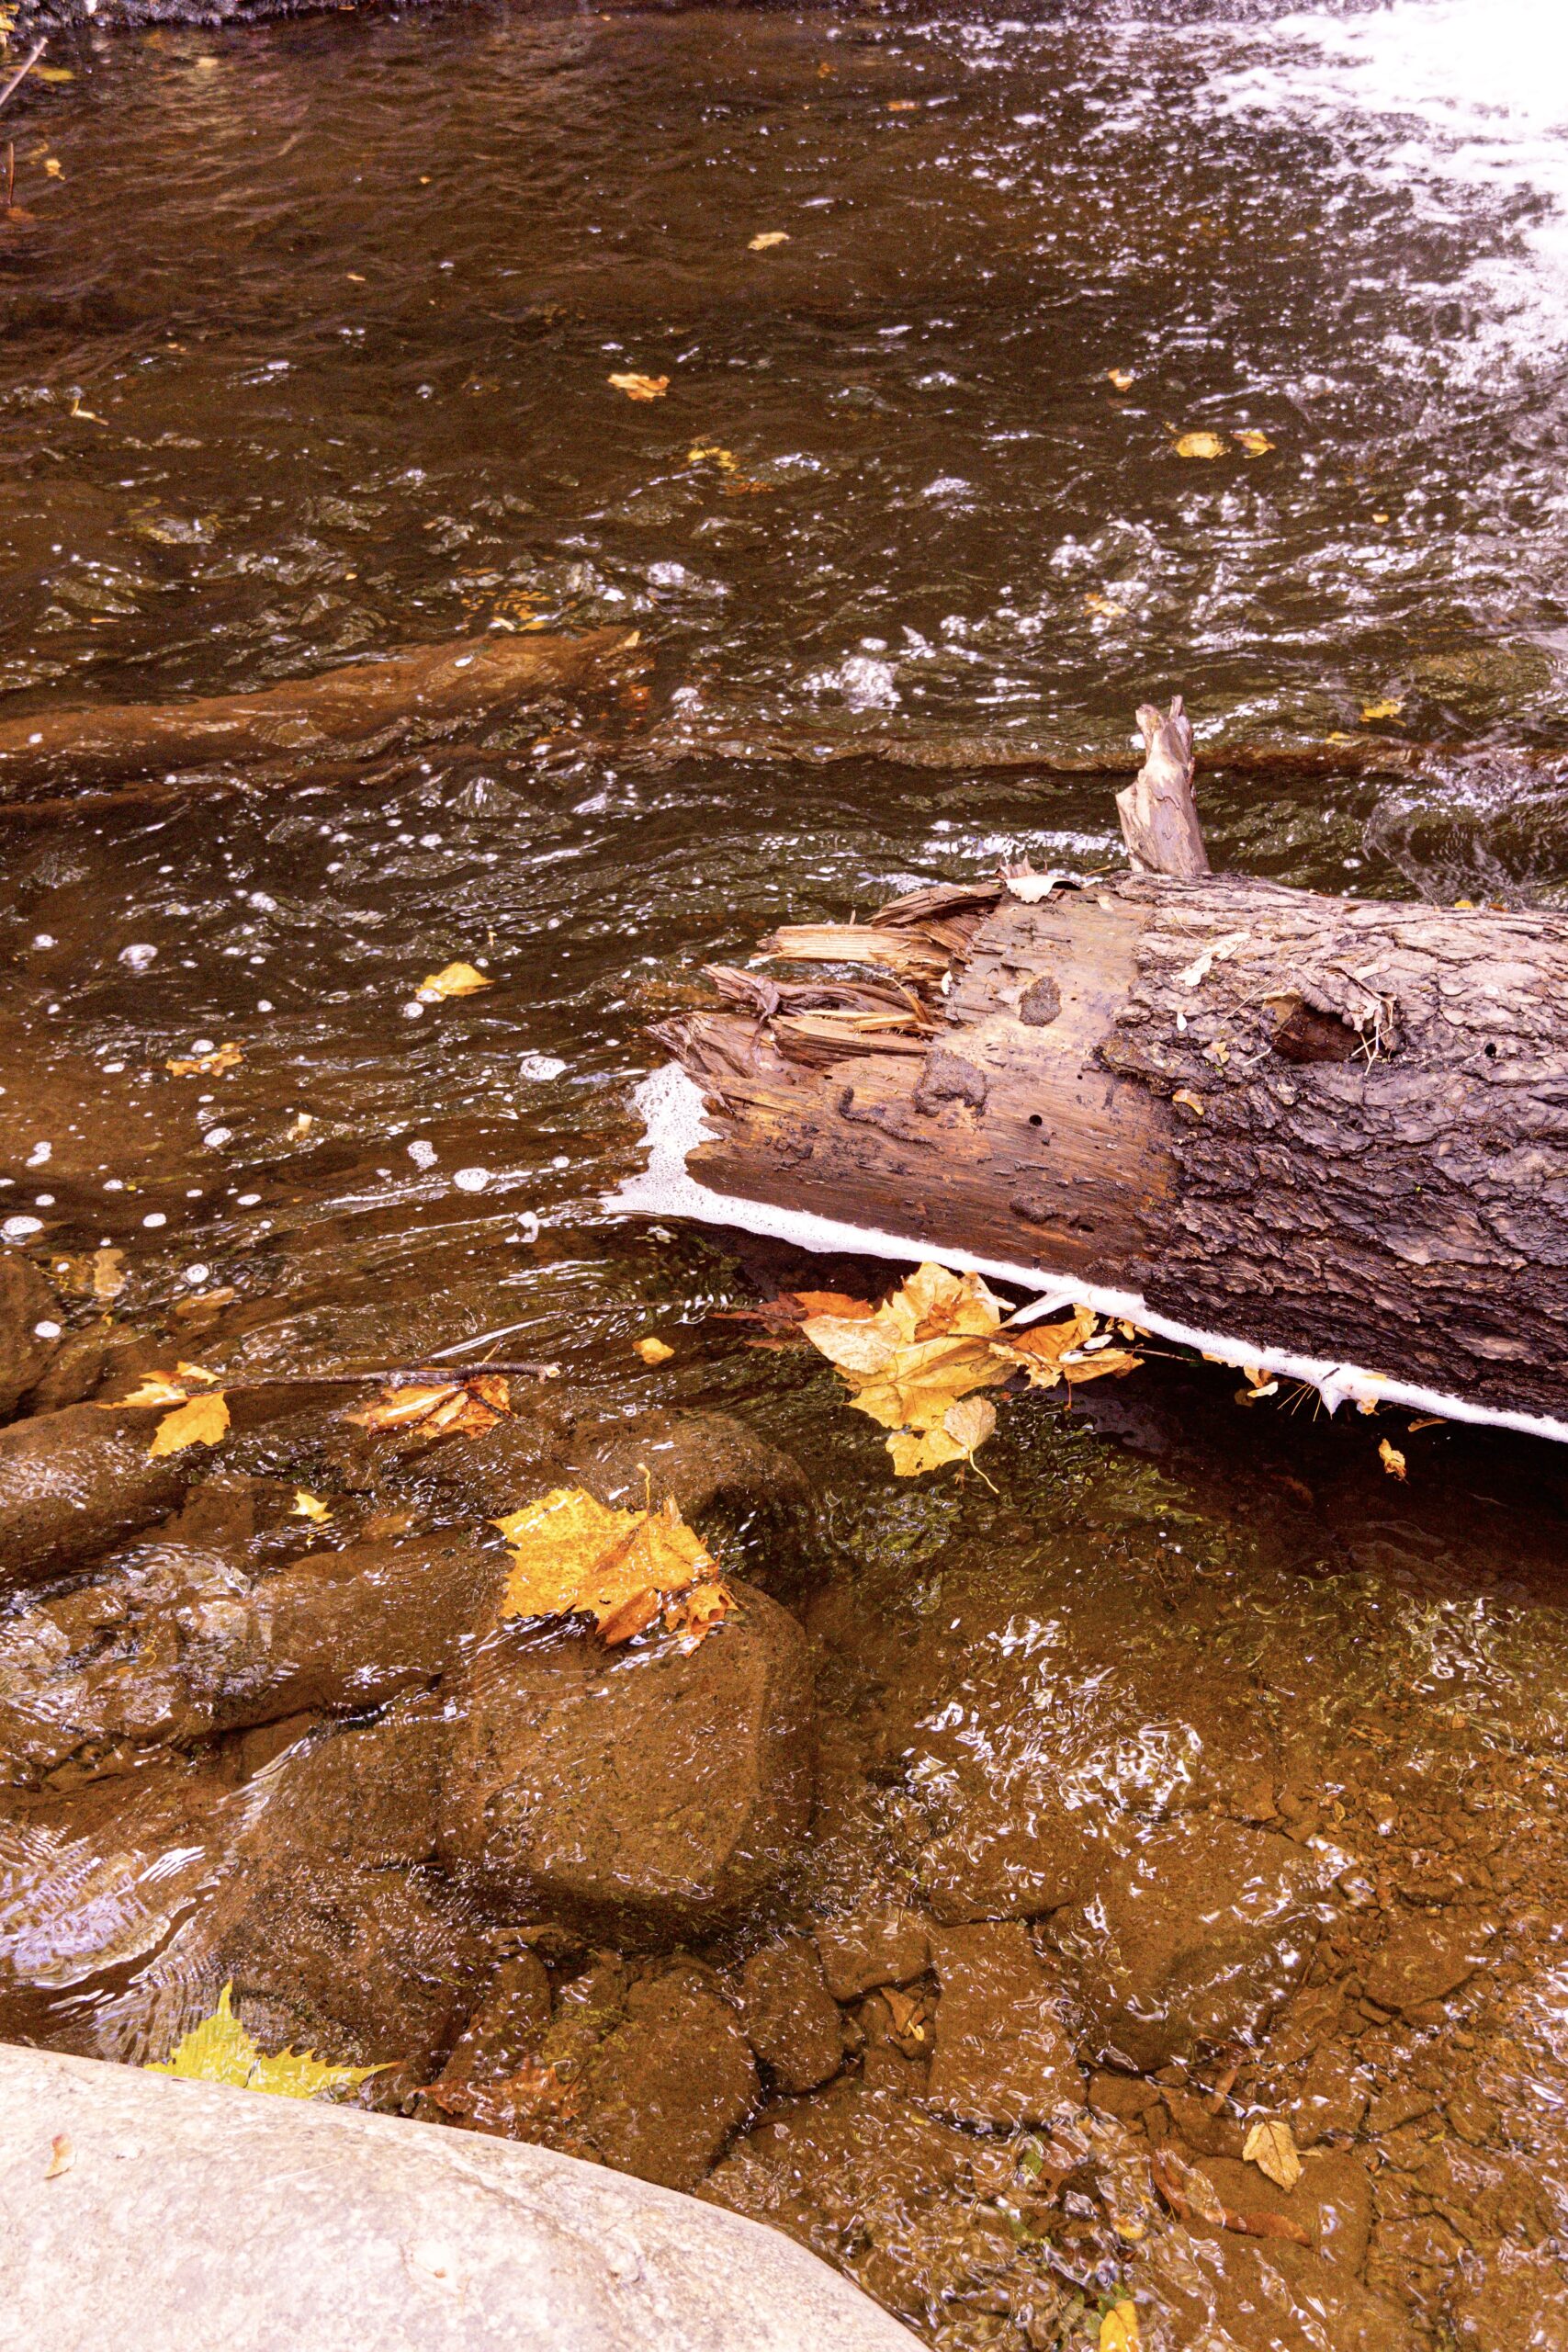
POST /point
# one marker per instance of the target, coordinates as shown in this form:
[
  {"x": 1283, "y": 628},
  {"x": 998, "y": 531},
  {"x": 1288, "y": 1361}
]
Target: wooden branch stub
[{"x": 1158, "y": 813}]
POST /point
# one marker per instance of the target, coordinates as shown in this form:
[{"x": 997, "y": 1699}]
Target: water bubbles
[
  {"x": 471, "y": 1180},
  {"x": 39, "y": 1155},
  {"x": 196, "y": 1275},
  {"x": 249, "y": 1201},
  {"x": 203, "y": 1045},
  {"x": 216, "y": 1138},
  {"x": 45, "y": 939},
  {"x": 47, "y": 1330},
  {"x": 413, "y": 1010},
  {"x": 539, "y": 1066},
  {"x": 20, "y": 1228},
  {"x": 138, "y": 956},
  {"x": 154, "y": 1218},
  {"x": 422, "y": 1153}
]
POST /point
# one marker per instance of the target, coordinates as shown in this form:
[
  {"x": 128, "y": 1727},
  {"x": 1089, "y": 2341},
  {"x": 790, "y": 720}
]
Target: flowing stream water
[{"x": 309, "y": 334}]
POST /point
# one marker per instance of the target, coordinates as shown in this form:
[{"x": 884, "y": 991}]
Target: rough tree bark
[
  {"x": 426, "y": 690},
  {"x": 1336, "y": 1130}
]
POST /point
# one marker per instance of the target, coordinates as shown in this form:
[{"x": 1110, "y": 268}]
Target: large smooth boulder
[
  {"x": 650, "y": 1792},
  {"x": 195, "y": 2215},
  {"x": 1195, "y": 1938}
]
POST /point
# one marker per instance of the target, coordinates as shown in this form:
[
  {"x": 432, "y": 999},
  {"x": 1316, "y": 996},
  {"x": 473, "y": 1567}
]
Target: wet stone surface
[{"x": 965, "y": 1902}]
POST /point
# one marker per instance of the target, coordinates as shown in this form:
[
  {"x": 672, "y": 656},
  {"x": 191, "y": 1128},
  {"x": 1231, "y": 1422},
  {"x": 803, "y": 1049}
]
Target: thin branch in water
[{"x": 20, "y": 75}]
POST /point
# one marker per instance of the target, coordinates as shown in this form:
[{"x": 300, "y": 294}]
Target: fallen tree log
[
  {"x": 426, "y": 690},
  {"x": 1325, "y": 1137}
]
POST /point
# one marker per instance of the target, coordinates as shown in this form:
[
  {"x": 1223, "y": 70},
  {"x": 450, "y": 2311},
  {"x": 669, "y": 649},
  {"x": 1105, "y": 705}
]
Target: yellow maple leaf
[
  {"x": 202, "y": 1421},
  {"x": 1201, "y": 444},
  {"x": 768, "y": 238},
  {"x": 309, "y": 1506},
  {"x": 575, "y": 1556},
  {"x": 1256, "y": 444},
  {"x": 1390, "y": 708},
  {"x": 1123, "y": 377},
  {"x": 1392, "y": 1459},
  {"x": 454, "y": 980},
  {"x": 652, "y": 1350},
  {"x": 153, "y": 1388},
  {"x": 703, "y": 453},
  {"x": 1119, "y": 2328},
  {"x": 220, "y": 2049},
  {"x": 641, "y": 387}
]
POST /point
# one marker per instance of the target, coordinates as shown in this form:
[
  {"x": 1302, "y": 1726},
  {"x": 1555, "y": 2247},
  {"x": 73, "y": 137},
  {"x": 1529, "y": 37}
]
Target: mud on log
[
  {"x": 1321, "y": 1128},
  {"x": 427, "y": 690}
]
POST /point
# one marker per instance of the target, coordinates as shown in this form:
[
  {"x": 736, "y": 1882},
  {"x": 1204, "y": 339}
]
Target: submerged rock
[
  {"x": 1233, "y": 2294},
  {"x": 650, "y": 1792},
  {"x": 662, "y": 2091},
  {"x": 887, "y": 1945},
  {"x": 792, "y": 2020},
  {"x": 1001, "y": 2055},
  {"x": 74, "y": 1484},
  {"x": 701, "y": 1461},
  {"x": 26, "y": 1301},
  {"x": 1196, "y": 1938}
]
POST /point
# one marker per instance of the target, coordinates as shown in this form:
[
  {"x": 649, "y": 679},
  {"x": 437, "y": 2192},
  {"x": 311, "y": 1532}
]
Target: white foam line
[{"x": 673, "y": 1124}]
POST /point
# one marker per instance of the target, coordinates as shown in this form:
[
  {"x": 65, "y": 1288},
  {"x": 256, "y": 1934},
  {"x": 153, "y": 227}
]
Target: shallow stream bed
[{"x": 1188, "y": 1727}]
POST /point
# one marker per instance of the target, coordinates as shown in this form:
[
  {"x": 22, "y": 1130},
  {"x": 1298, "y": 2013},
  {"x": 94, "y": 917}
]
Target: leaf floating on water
[
  {"x": 768, "y": 239},
  {"x": 1123, "y": 377},
  {"x": 1389, "y": 709},
  {"x": 652, "y": 1350},
  {"x": 1201, "y": 444},
  {"x": 454, "y": 979},
  {"x": 708, "y": 453},
  {"x": 201, "y": 1423},
  {"x": 211, "y": 1065},
  {"x": 902, "y": 106},
  {"x": 641, "y": 387},
  {"x": 427, "y": 1409},
  {"x": 1119, "y": 2328},
  {"x": 1256, "y": 444},
  {"x": 309, "y": 1506},
  {"x": 220, "y": 2049},
  {"x": 1106, "y": 606},
  {"x": 1392, "y": 1459},
  {"x": 575, "y": 1556},
  {"x": 53, "y": 74},
  {"x": 914, "y": 1362},
  {"x": 1270, "y": 2146}
]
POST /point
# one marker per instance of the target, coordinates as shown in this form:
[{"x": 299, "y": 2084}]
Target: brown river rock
[
  {"x": 1195, "y": 1940},
  {"x": 649, "y": 1791},
  {"x": 26, "y": 1301},
  {"x": 74, "y": 1484}
]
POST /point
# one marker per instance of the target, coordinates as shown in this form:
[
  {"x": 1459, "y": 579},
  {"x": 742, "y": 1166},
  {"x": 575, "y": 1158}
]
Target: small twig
[
  {"x": 451, "y": 1373},
  {"x": 23, "y": 70}
]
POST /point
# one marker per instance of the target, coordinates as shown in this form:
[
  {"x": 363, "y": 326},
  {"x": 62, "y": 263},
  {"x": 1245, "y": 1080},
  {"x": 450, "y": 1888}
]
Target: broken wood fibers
[{"x": 1339, "y": 1127}]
